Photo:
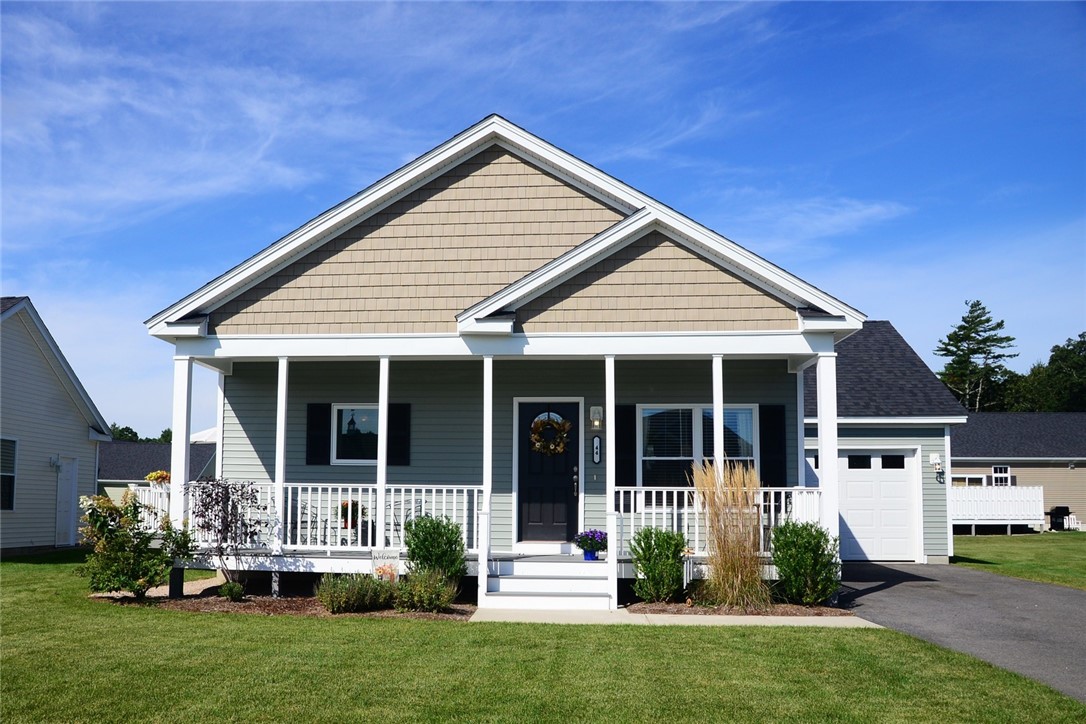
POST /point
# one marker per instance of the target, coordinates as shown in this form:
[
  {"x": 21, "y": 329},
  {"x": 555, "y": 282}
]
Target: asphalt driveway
[{"x": 1035, "y": 629}]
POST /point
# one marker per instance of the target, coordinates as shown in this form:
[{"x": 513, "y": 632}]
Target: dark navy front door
[{"x": 547, "y": 469}]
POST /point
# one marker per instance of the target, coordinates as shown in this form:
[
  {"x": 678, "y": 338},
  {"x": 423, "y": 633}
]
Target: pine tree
[{"x": 975, "y": 348}]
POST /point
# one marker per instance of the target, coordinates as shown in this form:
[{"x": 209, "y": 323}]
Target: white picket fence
[
  {"x": 681, "y": 510},
  {"x": 992, "y": 505}
]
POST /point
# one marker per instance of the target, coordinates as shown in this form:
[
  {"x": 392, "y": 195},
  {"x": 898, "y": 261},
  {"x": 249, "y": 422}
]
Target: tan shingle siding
[
  {"x": 414, "y": 266},
  {"x": 655, "y": 285}
]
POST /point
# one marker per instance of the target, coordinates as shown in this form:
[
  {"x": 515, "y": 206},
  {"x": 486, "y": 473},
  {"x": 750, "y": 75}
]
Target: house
[
  {"x": 123, "y": 464},
  {"x": 999, "y": 451},
  {"x": 50, "y": 430},
  {"x": 501, "y": 333}
]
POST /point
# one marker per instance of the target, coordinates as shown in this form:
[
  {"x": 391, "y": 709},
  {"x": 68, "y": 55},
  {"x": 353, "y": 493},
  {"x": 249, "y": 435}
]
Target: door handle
[{"x": 576, "y": 480}]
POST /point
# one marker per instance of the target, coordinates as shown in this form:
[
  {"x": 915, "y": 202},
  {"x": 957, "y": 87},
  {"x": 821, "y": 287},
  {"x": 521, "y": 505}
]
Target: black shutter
[
  {"x": 318, "y": 433},
  {"x": 774, "y": 445},
  {"x": 626, "y": 445},
  {"x": 399, "y": 433},
  {"x": 1014, "y": 480}
]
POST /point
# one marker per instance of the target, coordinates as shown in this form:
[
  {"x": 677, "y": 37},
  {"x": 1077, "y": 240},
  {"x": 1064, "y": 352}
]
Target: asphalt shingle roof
[
  {"x": 879, "y": 375},
  {"x": 7, "y": 303},
  {"x": 123, "y": 460},
  {"x": 1020, "y": 435}
]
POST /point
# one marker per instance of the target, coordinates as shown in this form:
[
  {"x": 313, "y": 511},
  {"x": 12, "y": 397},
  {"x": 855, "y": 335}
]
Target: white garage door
[{"x": 878, "y": 505}]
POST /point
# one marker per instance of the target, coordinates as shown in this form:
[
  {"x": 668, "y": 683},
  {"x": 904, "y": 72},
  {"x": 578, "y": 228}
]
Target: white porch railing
[
  {"x": 1003, "y": 505},
  {"x": 459, "y": 503},
  {"x": 681, "y": 510},
  {"x": 155, "y": 500},
  {"x": 257, "y": 525}
]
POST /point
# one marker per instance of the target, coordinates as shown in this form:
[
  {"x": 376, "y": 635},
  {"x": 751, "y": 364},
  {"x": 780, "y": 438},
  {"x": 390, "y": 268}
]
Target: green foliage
[
  {"x": 1059, "y": 386},
  {"x": 354, "y": 593},
  {"x": 231, "y": 518},
  {"x": 124, "y": 434},
  {"x": 658, "y": 563},
  {"x": 975, "y": 370},
  {"x": 428, "y": 590},
  {"x": 808, "y": 571},
  {"x": 435, "y": 544},
  {"x": 128, "y": 556},
  {"x": 232, "y": 591}
]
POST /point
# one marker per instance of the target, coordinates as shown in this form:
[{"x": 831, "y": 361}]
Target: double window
[
  {"x": 7, "y": 474},
  {"x": 354, "y": 434},
  {"x": 674, "y": 437}
]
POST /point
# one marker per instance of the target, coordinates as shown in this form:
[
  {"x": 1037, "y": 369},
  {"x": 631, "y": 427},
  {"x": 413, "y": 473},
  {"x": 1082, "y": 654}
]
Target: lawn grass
[
  {"x": 1058, "y": 558},
  {"x": 199, "y": 574},
  {"x": 68, "y": 658}
]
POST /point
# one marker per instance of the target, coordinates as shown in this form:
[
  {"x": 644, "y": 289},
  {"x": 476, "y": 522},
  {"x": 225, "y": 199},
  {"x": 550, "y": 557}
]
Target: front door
[{"x": 549, "y": 453}]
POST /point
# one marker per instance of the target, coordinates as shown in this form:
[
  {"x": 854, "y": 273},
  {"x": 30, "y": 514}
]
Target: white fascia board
[
  {"x": 558, "y": 270},
  {"x": 733, "y": 345},
  {"x": 98, "y": 436},
  {"x": 182, "y": 328},
  {"x": 892, "y": 420},
  {"x": 61, "y": 368},
  {"x": 483, "y": 325}
]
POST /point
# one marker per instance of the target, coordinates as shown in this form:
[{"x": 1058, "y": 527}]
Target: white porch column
[
  {"x": 382, "y": 447},
  {"x": 801, "y": 433},
  {"x": 220, "y": 423},
  {"x": 612, "y": 514},
  {"x": 718, "y": 415},
  {"x": 488, "y": 474},
  {"x": 280, "y": 455},
  {"x": 826, "y": 374},
  {"x": 179, "y": 449}
]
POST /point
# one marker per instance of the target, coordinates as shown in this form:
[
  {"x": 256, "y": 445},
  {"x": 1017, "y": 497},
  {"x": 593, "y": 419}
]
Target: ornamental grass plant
[{"x": 731, "y": 503}]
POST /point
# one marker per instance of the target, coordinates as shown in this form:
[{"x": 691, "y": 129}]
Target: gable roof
[
  {"x": 124, "y": 460},
  {"x": 1009, "y": 435},
  {"x": 879, "y": 375},
  {"x": 184, "y": 317},
  {"x": 12, "y": 306}
]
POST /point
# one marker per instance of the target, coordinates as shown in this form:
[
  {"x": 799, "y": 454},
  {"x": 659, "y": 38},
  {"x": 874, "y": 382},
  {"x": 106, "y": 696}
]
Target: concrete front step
[
  {"x": 547, "y": 601},
  {"x": 547, "y": 584},
  {"x": 563, "y": 566}
]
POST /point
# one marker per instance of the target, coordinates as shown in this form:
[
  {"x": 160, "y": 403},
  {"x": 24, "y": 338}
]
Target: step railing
[{"x": 682, "y": 510}]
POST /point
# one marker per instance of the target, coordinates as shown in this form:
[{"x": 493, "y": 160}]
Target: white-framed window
[
  {"x": 671, "y": 438},
  {"x": 1001, "y": 476},
  {"x": 968, "y": 481},
  {"x": 8, "y": 451},
  {"x": 354, "y": 434}
]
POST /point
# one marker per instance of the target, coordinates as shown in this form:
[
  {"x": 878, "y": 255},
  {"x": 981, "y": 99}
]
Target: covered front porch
[{"x": 460, "y": 444}]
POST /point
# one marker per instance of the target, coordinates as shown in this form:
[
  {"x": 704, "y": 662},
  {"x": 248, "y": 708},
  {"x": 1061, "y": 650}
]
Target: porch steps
[{"x": 547, "y": 583}]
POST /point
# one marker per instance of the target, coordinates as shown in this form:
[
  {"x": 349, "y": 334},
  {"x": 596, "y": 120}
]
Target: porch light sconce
[
  {"x": 1071, "y": 465},
  {"x": 54, "y": 461},
  {"x": 595, "y": 416}
]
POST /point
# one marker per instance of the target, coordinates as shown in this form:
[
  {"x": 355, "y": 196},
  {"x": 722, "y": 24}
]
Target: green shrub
[
  {"x": 127, "y": 555},
  {"x": 232, "y": 591},
  {"x": 658, "y": 564},
  {"x": 428, "y": 590},
  {"x": 435, "y": 544},
  {"x": 353, "y": 593},
  {"x": 808, "y": 570}
]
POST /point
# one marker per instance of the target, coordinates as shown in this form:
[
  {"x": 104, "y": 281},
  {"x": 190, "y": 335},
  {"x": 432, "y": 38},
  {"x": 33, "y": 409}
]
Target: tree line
[
  {"x": 127, "y": 434},
  {"x": 975, "y": 372}
]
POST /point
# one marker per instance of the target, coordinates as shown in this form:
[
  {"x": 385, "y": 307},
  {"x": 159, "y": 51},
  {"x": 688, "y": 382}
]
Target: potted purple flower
[{"x": 591, "y": 542}]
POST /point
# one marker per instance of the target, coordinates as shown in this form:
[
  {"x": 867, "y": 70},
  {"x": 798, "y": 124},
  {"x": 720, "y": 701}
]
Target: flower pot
[{"x": 591, "y": 555}]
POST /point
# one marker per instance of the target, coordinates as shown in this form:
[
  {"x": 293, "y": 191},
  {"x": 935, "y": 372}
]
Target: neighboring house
[
  {"x": 894, "y": 425},
  {"x": 49, "y": 435},
  {"x": 122, "y": 464},
  {"x": 1025, "y": 449},
  {"x": 501, "y": 333}
]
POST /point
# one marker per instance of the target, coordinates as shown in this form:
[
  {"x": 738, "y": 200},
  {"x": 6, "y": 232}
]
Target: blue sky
[{"x": 903, "y": 157}]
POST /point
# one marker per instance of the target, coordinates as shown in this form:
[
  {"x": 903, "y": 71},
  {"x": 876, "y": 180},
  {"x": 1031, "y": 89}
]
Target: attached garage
[{"x": 879, "y": 491}]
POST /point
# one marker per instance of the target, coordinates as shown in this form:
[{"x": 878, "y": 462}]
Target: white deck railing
[
  {"x": 459, "y": 503},
  {"x": 322, "y": 517},
  {"x": 681, "y": 510},
  {"x": 256, "y": 529},
  {"x": 1003, "y": 505},
  {"x": 155, "y": 500}
]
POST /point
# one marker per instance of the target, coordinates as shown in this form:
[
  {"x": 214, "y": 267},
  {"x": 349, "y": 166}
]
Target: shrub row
[{"x": 356, "y": 592}]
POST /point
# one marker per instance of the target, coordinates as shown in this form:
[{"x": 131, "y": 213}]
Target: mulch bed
[{"x": 775, "y": 609}]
